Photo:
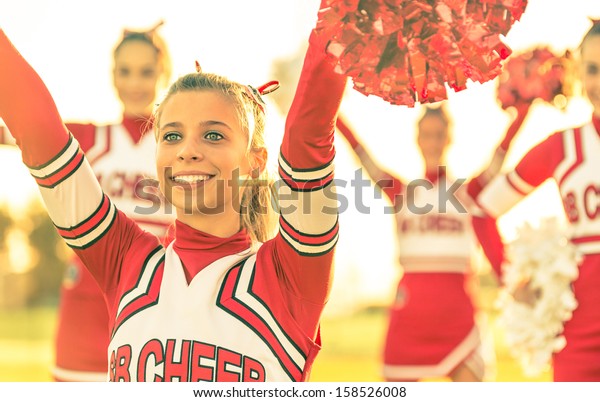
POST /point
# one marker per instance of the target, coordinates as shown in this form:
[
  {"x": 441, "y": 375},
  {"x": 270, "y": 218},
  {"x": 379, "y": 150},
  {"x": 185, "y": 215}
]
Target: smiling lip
[{"x": 190, "y": 179}]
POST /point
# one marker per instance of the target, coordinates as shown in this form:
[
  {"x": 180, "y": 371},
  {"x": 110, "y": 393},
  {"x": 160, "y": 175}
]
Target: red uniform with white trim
[
  {"x": 572, "y": 159},
  {"x": 246, "y": 315},
  {"x": 431, "y": 324},
  {"x": 122, "y": 158}
]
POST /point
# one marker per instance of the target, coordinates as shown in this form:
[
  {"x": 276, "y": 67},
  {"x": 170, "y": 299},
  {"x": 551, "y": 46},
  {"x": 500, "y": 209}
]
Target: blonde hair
[{"x": 257, "y": 214}]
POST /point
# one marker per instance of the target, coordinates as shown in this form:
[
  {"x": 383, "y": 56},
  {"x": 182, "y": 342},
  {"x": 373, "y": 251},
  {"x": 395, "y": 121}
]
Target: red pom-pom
[
  {"x": 407, "y": 51},
  {"x": 536, "y": 74}
]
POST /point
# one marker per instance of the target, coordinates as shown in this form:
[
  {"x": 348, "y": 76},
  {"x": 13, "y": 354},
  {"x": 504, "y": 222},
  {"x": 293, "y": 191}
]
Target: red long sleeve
[
  {"x": 28, "y": 109},
  {"x": 513, "y": 129},
  {"x": 313, "y": 111}
]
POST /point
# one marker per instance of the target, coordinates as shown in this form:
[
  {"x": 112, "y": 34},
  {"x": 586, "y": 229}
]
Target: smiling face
[
  {"x": 135, "y": 77},
  {"x": 590, "y": 70},
  {"x": 201, "y": 152}
]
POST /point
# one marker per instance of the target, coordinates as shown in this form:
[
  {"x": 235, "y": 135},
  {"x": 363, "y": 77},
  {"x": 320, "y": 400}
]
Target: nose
[{"x": 190, "y": 151}]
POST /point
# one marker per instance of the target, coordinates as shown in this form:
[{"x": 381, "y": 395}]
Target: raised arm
[
  {"x": 303, "y": 249},
  {"x": 28, "y": 109},
  {"x": 309, "y": 128},
  {"x": 495, "y": 165},
  {"x": 83, "y": 215},
  {"x": 389, "y": 184}
]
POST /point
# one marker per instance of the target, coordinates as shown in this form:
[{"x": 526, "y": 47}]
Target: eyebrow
[{"x": 176, "y": 124}]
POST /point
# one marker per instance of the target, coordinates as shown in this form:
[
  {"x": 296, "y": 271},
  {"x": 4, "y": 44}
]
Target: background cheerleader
[
  {"x": 571, "y": 159},
  {"x": 431, "y": 330}
]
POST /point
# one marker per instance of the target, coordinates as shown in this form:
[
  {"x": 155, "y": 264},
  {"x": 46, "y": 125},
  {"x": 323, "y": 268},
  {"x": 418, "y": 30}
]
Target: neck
[
  {"x": 434, "y": 167},
  {"x": 224, "y": 224},
  {"x": 434, "y": 172}
]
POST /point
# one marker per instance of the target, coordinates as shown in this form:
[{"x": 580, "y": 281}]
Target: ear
[{"x": 258, "y": 161}]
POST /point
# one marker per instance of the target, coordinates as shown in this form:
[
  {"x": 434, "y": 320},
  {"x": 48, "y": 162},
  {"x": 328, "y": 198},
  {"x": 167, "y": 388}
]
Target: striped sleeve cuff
[
  {"x": 75, "y": 202},
  {"x": 305, "y": 179},
  {"x": 92, "y": 229},
  {"x": 60, "y": 168},
  {"x": 308, "y": 208}
]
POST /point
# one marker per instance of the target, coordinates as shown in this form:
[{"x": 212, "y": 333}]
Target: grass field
[
  {"x": 351, "y": 348},
  {"x": 25, "y": 344}
]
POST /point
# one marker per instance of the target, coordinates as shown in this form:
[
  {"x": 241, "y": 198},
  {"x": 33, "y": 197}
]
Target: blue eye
[
  {"x": 213, "y": 136},
  {"x": 171, "y": 136}
]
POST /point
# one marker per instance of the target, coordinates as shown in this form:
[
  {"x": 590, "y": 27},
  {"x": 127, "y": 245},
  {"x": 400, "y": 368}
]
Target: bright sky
[{"x": 69, "y": 43}]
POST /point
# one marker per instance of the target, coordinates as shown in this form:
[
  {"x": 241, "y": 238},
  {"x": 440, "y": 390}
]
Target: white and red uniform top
[
  {"x": 572, "y": 159},
  {"x": 434, "y": 234},
  {"x": 437, "y": 241},
  {"x": 243, "y": 315}
]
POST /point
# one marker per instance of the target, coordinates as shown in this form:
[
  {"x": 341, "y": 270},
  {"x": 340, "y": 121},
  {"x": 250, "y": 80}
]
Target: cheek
[
  {"x": 120, "y": 82},
  {"x": 235, "y": 158}
]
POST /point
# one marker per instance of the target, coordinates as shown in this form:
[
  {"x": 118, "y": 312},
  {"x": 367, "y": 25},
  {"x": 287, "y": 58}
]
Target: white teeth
[{"x": 190, "y": 178}]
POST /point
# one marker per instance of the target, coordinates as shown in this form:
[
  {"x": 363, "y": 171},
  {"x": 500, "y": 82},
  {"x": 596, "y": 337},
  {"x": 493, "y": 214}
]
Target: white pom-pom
[{"x": 544, "y": 259}]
